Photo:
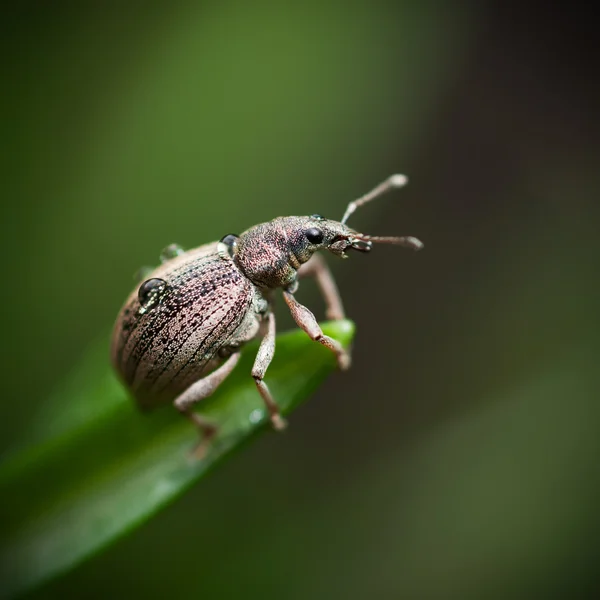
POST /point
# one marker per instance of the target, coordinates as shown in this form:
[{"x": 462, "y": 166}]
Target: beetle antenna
[
  {"x": 407, "y": 241},
  {"x": 392, "y": 182}
]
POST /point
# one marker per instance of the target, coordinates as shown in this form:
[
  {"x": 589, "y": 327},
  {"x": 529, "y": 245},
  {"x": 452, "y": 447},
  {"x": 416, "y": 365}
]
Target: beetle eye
[
  {"x": 314, "y": 235},
  {"x": 317, "y": 217},
  {"x": 230, "y": 240}
]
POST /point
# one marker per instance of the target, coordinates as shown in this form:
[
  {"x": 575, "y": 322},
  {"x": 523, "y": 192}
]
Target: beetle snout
[{"x": 361, "y": 245}]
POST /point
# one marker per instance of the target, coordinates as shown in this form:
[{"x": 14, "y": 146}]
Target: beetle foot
[
  {"x": 202, "y": 447},
  {"x": 344, "y": 361},
  {"x": 334, "y": 315},
  {"x": 278, "y": 422}
]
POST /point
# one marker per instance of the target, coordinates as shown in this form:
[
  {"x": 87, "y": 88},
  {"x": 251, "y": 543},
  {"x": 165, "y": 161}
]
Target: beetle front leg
[
  {"x": 199, "y": 390},
  {"x": 261, "y": 363},
  {"x": 306, "y": 321},
  {"x": 317, "y": 267}
]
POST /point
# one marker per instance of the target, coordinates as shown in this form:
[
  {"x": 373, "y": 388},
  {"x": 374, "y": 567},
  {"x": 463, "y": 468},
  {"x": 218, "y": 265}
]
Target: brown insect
[{"x": 179, "y": 334}]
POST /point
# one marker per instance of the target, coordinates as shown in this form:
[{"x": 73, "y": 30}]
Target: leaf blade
[{"x": 101, "y": 477}]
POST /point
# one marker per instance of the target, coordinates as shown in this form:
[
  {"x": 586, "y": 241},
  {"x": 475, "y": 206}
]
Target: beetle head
[
  {"x": 309, "y": 234},
  {"x": 316, "y": 232},
  {"x": 271, "y": 253}
]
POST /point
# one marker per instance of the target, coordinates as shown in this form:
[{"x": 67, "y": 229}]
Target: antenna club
[
  {"x": 416, "y": 243},
  {"x": 398, "y": 180}
]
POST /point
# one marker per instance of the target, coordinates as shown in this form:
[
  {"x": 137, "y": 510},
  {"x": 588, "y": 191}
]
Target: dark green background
[{"x": 458, "y": 458}]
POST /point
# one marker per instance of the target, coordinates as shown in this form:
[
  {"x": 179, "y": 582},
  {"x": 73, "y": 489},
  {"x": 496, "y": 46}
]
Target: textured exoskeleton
[{"x": 179, "y": 333}]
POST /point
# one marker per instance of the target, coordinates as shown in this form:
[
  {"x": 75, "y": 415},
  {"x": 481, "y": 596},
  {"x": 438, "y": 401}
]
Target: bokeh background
[{"x": 459, "y": 457}]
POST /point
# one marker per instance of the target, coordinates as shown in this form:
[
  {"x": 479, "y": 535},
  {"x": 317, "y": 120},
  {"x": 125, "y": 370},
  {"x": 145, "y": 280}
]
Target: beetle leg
[
  {"x": 306, "y": 321},
  {"x": 261, "y": 363},
  {"x": 317, "y": 267},
  {"x": 198, "y": 391}
]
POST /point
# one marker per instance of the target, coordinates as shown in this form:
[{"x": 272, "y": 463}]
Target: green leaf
[{"x": 94, "y": 467}]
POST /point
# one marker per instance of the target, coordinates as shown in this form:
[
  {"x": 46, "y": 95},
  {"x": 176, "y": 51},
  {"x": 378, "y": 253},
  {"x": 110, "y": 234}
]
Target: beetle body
[
  {"x": 207, "y": 309},
  {"x": 178, "y": 335}
]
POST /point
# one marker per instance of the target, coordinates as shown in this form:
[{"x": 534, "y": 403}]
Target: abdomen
[{"x": 160, "y": 347}]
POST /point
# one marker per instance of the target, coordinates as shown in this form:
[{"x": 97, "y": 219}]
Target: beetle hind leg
[{"x": 198, "y": 391}]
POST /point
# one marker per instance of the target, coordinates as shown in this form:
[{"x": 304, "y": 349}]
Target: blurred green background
[{"x": 458, "y": 457}]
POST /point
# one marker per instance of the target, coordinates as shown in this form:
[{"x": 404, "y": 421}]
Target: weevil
[{"x": 179, "y": 334}]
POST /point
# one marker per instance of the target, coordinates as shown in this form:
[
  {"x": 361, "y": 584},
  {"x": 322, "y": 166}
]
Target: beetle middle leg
[
  {"x": 263, "y": 359},
  {"x": 199, "y": 390},
  {"x": 306, "y": 321},
  {"x": 317, "y": 267}
]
